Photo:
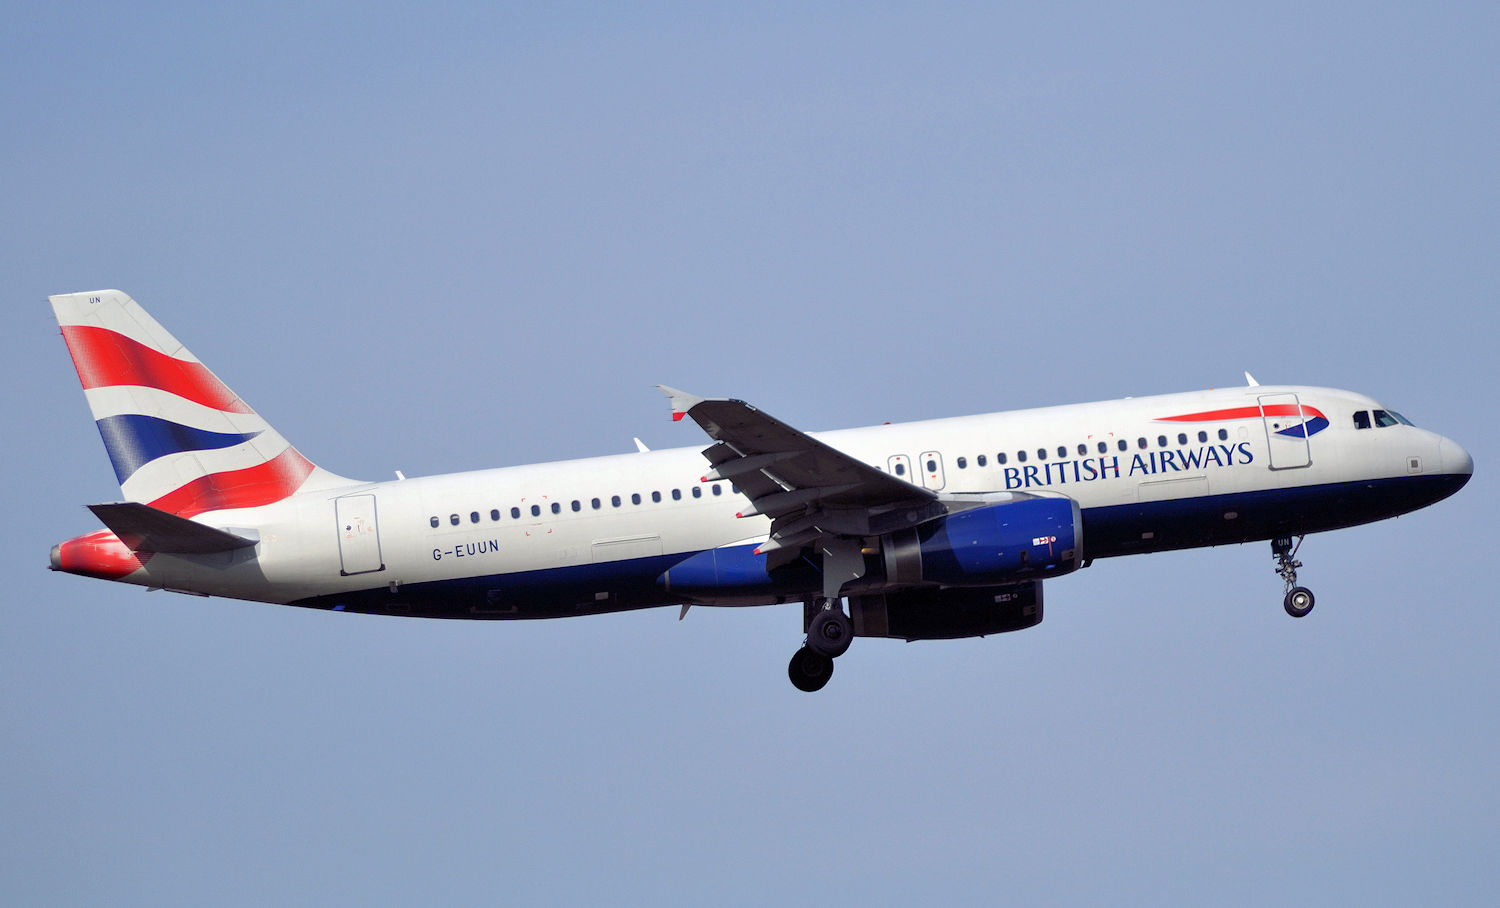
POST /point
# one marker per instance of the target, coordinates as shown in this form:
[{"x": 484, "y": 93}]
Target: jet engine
[{"x": 993, "y": 545}]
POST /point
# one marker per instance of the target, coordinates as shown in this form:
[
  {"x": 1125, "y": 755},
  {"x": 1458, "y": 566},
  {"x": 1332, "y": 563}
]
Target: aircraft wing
[{"x": 807, "y": 488}]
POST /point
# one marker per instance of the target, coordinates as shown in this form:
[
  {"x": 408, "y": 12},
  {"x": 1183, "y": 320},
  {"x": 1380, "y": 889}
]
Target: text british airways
[{"x": 1150, "y": 463}]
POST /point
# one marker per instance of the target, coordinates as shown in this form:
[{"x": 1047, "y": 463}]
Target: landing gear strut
[
  {"x": 1299, "y": 599},
  {"x": 829, "y": 633}
]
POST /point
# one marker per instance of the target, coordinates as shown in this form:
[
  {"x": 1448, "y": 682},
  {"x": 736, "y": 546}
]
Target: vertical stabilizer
[{"x": 179, "y": 439}]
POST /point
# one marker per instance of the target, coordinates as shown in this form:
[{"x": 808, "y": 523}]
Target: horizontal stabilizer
[{"x": 146, "y": 529}]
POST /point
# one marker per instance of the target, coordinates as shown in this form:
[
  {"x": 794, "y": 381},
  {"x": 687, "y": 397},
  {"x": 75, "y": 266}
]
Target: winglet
[{"x": 681, "y": 401}]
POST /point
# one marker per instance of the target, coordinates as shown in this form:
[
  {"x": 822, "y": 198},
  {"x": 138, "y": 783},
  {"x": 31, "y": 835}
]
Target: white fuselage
[{"x": 590, "y": 535}]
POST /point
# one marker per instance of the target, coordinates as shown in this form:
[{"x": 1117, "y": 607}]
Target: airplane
[{"x": 939, "y": 529}]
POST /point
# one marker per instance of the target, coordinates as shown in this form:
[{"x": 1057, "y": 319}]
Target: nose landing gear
[
  {"x": 1299, "y": 599},
  {"x": 829, "y": 633}
]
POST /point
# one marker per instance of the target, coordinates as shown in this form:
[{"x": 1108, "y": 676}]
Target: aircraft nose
[{"x": 1456, "y": 460}]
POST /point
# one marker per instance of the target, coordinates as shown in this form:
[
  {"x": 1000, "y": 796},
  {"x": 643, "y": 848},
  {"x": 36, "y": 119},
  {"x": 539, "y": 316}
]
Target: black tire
[
  {"x": 1298, "y": 602},
  {"x": 830, "y": 632},
  {"x": 809, "y": 670}
]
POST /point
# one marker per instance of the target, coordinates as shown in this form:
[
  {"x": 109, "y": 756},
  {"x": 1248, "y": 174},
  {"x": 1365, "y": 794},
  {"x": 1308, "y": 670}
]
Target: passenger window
[
  {"x": 1082, "y": 450},
  {"x": 1202, "y": 436},
  {"x": 717, "y": 490},
  {"x": 594, "y": 503},
  {"x": 963, "y": 463},
  {"x": 1223, "y": 435},
  {"x": 635, "y": 497},
  {"x": 453, "y": 519},
  {"x": 1161, "y": 441},
  {"x": 536, "y": 510},
  {"x": 614, "y": 501},
  {"x": 981, "y": 460},
  {"x": 515, "y": 513},
  {"x": 1362, "y": 419},
  {"x": 1020, "y": 456},
  {"x": 434, "y": 522},
  {"x": 697, "y": 491},
  {"x": 931, "y": 465},
  {"x": 577, "y": 505},
  {"x": 556, "y": 507},
  {"x": 1140, "y": 443},
  {"x": 1182, "y": 438},
  {"x": 473, "y": 516},
  {"x": 1123, "y": 445},
  {"x": 1103, "y": 447},
  {"x": 495, "y": 514},
  {"x": 900, "y": 468},
  {"x": 1062, "y": 451},
  {"x": 1000, "y": 458},
  {"x": 1041, "y": 453},
  {"x": 656, "y": 497},
  {"x": 676, "y": 494}
]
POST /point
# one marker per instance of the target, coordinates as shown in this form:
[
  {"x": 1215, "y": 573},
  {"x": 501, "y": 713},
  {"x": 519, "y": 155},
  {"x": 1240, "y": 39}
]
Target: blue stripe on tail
[{"x": 133, "y": 440}]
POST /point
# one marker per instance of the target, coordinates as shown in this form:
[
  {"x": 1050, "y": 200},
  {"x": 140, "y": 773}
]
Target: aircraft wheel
[
  {"x": 809, "y": 669},
  {"x": 1298, "y": 602},
  {"x": 830, "y": 632}
]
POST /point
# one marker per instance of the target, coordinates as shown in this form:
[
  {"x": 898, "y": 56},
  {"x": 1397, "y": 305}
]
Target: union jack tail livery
[
  {"x": 179, "y": 439},
  {"x": 182, "y": 444}
]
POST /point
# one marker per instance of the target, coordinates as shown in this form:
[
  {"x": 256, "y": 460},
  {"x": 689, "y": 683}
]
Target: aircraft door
[
  {"x": 359, "y": 535},
  {"x": 932, "y": 470},
  {"x": 900, "y": 467},
  {"x": 1286, "y": 431}
]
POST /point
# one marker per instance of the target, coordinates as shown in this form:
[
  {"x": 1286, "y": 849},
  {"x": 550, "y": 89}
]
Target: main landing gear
[
  {"x": 1299, "y": 599},
  {"x": 829, "y": 633}
]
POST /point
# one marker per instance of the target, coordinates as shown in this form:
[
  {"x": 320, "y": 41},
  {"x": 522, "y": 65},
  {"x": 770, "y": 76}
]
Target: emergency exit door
[
  {"x": 359, "y": 535},
  {"x": 1286, "y": 431}
]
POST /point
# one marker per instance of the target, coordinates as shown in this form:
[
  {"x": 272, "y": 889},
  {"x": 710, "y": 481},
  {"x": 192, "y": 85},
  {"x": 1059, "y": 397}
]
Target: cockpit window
[
  {"x": 1383, "y": 418},
  {"x": 1362, "y": 419}
]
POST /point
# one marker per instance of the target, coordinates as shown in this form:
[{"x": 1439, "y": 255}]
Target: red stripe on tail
[
  {"x": 107, "y": 358},
  {"x": 252, "y": 487}
]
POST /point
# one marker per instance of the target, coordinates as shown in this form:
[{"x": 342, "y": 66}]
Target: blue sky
[{"x": 443, "y": 237}]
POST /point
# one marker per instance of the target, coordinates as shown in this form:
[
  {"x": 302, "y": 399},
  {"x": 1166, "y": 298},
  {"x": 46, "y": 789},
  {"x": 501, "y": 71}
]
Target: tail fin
[{"x": 179, "y": 439}]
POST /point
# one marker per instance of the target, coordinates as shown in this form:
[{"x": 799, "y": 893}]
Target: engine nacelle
[
  {"x": 934, "y": 614},
  {"x": 988, "y": 546}
]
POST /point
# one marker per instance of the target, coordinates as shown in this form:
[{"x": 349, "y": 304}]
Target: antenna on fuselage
[{"x": 1250, "y": 380}]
